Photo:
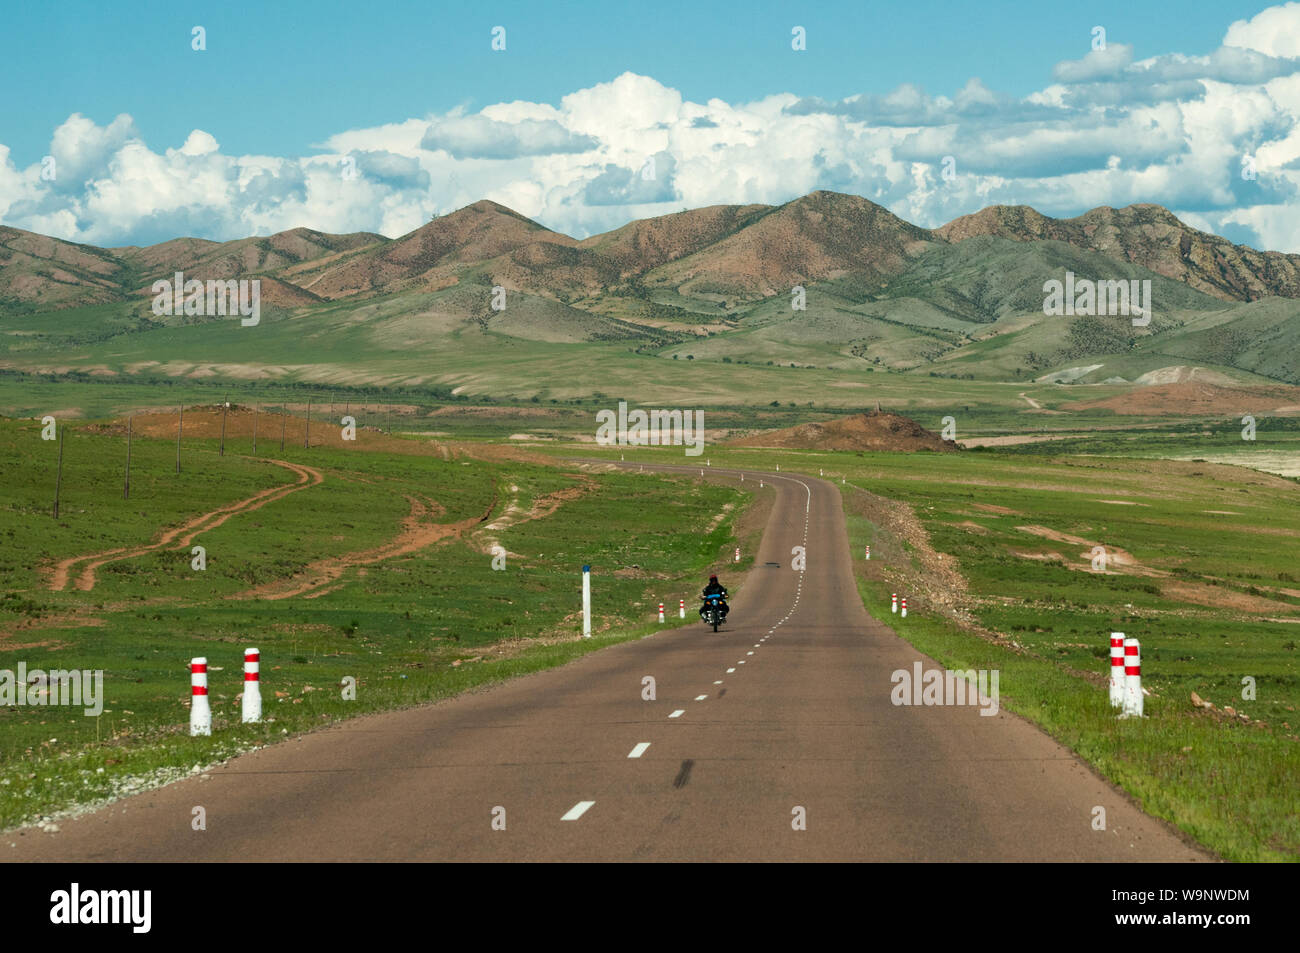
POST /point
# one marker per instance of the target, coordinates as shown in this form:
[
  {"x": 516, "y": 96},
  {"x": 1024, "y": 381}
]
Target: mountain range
[
  {"x": 963, "y": 300},
  {"x": 744, "y": 251}
]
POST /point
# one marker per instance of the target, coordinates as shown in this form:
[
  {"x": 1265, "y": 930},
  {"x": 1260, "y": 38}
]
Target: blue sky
[
  {"x": 279, "y": 77},
  {"x": 283, "y": 83}
]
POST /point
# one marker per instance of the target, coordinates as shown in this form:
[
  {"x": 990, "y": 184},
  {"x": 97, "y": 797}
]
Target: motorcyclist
[{"x": 716, "y": 588}]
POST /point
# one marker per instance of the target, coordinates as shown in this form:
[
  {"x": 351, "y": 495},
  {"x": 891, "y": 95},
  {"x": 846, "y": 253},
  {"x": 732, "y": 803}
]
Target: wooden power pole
[
  {"x": 58, "y": 479},
  {"x": 126, "y": 484}
]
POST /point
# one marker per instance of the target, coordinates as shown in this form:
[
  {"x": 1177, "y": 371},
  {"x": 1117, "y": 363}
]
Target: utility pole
[
  {"x": 180, "y": 425},
  {"x": 256, "y": 411},
  {"x": 126, "y": 485},
  {"x": 306, "y": 441},
  {"x": 283, "y": 419},
  {"x": 58, "y": 479},
  {"x": 225, "y": 405}
]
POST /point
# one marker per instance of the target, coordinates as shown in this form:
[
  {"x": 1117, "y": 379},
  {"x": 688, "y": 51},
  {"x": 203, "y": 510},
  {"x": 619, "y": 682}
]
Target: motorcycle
[{"x": 712, "y": 610}]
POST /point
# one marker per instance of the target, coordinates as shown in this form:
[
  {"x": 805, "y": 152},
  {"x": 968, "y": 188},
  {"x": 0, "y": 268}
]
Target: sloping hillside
[
  {"x": 1150, "y": 236},
  {"x": 878, "y": 431}
]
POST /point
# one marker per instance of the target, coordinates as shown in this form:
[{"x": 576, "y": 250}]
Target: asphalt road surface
[{"x": 781, "y": 720}]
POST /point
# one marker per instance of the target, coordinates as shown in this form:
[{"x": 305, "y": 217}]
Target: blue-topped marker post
[{"x": 586, "y": 602}]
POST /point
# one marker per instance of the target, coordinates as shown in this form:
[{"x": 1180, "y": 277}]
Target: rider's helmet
[{"x": 713, "y": 579}]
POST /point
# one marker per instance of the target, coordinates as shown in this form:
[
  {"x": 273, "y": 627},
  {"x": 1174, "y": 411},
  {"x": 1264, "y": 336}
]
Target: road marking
[
  {"x": 718, "y": 682},
  {"x": 678, "y": 713},
  {"x": 741, "y": 662},
  {"x": 730, "y": 670},
  {"x": 577, "y": 810},
  {"x": 750, "y": 652},
  {"x": 700, "y": 698},
  {"x": 639, "y": 749}
]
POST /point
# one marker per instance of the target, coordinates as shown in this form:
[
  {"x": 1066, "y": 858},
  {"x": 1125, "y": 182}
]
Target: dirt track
[
  {"x": 181, "y": 536},
  {"x": 418, "y": 531}
]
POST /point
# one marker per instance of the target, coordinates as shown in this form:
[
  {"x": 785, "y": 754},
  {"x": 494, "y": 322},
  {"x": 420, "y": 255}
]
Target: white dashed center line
[
  {"x": 730, "y": 670},
  {"x": 678, "y": 713},
  {"x": 638, "y": 750},
  {"x": 577, "y": 810},
  {"x": 700, "y": 698}
]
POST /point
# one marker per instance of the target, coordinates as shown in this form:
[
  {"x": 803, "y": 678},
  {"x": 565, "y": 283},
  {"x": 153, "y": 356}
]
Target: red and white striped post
[
  {"x": 200, "y": 711},
  {"x": 661, "y": 612},
  {"x": 1132, "y": 679},
  {"x": 868, "y": 552},
  {"x": 904, "y": 612},
  {"x": 1117, "y": 670},
  {"x": 252, "y": 703},
  {"x": 682, "y": 609},
  {"x": 893, "y": 603},
  {"x": 737, "y": 559}
]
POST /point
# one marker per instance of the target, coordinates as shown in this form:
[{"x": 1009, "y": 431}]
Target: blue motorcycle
[{"x": 712, "y": 610}]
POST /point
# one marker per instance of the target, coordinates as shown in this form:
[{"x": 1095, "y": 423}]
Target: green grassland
[
  {"x": 415, "y": 627},
  {"x": 1212, "y": 592},
  {"x": 969, "y": 314}
]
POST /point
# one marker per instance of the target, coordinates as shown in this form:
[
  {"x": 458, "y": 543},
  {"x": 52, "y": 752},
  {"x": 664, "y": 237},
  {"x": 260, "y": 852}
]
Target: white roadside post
[
  {"x": 737, "y": 559},
  {"x": 682, "y": 612},
  {"x": 868, "y": 552},
  {"x": 661, "y": 612},
  {"x": 893, "y": 603},
  {"x": 1117, "y": 670},
  {"x": 903, "y": 613},
  {"x": 1132, "y": 679},
  {"x": 586, "y": 602},
  {"x": 251, "y": 706},
  {"x": 200, "y": 711}
]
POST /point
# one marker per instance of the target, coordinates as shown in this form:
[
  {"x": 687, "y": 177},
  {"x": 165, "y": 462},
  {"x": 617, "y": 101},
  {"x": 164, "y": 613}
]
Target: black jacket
[{"x": 717, "y": 587}]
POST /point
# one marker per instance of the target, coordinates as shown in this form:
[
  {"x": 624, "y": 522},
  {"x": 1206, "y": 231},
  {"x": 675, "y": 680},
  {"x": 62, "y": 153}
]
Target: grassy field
[
  {"x": 1201, "y": 567},
  {"x": 381, "y": 571},
  {"x": 404, "y": 341}
]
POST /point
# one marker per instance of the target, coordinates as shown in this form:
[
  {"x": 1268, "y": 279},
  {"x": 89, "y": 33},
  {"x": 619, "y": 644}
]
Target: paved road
[{"x": 787, "y": 708}]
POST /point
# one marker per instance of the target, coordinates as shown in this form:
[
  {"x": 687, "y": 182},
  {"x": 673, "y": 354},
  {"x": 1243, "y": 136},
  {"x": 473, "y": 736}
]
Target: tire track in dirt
[
  {"x": 543, "y": 506},
  {"x": 181, "y": 536},
  {"x": 417, "y": 532}
]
